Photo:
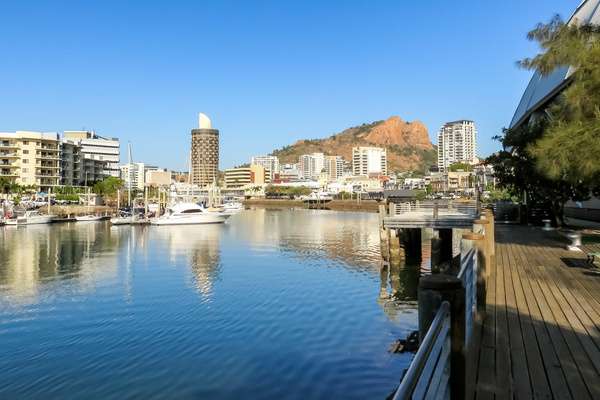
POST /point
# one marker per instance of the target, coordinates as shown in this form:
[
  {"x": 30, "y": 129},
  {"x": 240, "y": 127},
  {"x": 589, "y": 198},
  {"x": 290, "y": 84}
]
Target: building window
[
  {"x": 25, "y": 142},
  {"x": 25, "y": 161},
  {"x": 24, "y": 170},
  {"x": 25, "y": 151}
]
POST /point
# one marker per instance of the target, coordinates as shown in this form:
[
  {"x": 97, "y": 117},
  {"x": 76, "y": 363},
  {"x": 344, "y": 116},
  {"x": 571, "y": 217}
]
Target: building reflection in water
[
  {"x": 350, "y": 238},
  {"x": 37, "y": 254}
]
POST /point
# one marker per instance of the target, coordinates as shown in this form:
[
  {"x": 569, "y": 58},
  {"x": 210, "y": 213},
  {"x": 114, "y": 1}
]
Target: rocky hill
[{"x": 408, "y": 145}]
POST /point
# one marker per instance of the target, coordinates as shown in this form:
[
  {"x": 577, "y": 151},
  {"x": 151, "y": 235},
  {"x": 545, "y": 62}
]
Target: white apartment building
[
  {"x": 270, "y": 163},
  {"x": 95, "y": 147},
  {"x": 457, "y": 143},
  {"x": 334, "y": 167},
  {"x": 369, "y": 161},
  {"x": 311, "y": 165},
  {"x": 136, "y": 173}
]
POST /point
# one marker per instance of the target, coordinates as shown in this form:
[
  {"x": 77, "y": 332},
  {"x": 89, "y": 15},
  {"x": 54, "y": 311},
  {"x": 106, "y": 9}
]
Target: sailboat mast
[{"x": 129, "y": 177}]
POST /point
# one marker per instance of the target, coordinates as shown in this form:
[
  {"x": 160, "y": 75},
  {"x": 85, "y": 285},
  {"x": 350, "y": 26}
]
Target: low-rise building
[
  {"x": 270, "y": 163},
  {"x": 236, "y": 178}
]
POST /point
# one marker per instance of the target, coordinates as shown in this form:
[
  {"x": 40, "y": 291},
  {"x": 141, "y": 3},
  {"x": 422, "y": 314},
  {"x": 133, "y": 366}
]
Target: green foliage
[
  {"x": 517, "y": 172},
  {"x": 108, "y": 186},
  {"x": 421, "y": 195},
  {"x": 569, "y": 149},
  {"x": 460, "y": 167},
  {"x": 286, "y": 191}
]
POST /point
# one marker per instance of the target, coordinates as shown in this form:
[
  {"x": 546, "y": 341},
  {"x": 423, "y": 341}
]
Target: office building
[
  {"x": 98, "y": 148},
  {"x": 269, "y": 162},
  {"x": 369, "y": 161},
  {"x": 334, "y": 167},
  {"x": 239, "y": 178},
  {"x": 30, "y": 158},
  {"x": 205, "y": 152},
  {"x": 311, "y": 165},
  {"x": 457, "y": 144}
]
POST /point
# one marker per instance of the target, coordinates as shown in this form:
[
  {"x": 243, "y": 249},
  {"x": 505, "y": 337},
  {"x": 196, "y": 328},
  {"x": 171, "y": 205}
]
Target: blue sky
[{"x": 267, "y": 72}]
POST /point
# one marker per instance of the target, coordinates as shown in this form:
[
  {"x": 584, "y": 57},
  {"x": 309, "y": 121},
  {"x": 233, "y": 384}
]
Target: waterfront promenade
[{"x": 541, "y": 333}]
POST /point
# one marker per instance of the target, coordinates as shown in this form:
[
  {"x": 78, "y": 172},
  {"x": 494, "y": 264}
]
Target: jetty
[{"x": 519, "y": 319}]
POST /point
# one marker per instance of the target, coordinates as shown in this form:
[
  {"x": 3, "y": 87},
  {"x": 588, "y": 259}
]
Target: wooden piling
[
  {"x": 477, "y": 241},
  {"x": 446, "y": 244},
  {"x": 482, "y": 227},
  {"x": 396, "y": 244},
  {"x": 384, "y": 235}
]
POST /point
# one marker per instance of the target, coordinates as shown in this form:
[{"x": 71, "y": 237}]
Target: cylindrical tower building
[{"x": 205, "y": 152}]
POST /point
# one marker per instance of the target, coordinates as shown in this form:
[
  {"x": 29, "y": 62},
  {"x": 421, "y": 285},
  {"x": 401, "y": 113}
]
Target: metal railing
[
  {"x": 432, "y": 371},
  {"x": 435, "y": 209},
  {"x": 428, "y": 376}
]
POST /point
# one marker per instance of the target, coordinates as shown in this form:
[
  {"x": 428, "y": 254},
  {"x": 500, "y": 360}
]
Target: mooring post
[
  {"x": 433, "y": 290},
  {"x": 489, "y": 215},
  {"x": 482, "y": 227},
  {"x": 476, "y": 241}
]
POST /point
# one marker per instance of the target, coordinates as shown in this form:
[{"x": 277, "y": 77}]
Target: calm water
[{"x": 274, "y": 304}]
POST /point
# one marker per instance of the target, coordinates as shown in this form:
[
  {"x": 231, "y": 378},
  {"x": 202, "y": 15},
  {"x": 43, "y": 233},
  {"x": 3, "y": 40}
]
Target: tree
[
  {"x": 569, "y": 148},
  {"x": 517, "y": 171},
  {"x": 108, "y": 186}
]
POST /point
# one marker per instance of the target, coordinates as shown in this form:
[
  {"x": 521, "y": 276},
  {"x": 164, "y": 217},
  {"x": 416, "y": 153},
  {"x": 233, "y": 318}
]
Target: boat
[
  {"x": 30, "y": 218},
  {"x": 89, "y": 218},
  {"x": 189, "y": 214},
  {"x": 317, "y": 197},
  {"x": 233, "y": 207}
]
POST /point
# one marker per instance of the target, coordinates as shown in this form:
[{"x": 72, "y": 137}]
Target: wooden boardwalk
[{"x": 540, "y": 338}]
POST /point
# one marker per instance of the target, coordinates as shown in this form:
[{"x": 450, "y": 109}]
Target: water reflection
[
  {"x": 39, "y": 253},
  {"x": 258, "y": 307},
  {"x": 199, "y": 245}
]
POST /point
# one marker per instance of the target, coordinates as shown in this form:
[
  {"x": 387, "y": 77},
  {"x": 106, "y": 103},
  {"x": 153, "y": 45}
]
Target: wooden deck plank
[
  {"x": 557, "y": 381},
  {"x": 504, "y": 384},
  {"x": 540, "y": 385},
  {"x": 518, "y": 356},
  {"x": 559, "y": 319},
  {"x": 540, "y": 337}
]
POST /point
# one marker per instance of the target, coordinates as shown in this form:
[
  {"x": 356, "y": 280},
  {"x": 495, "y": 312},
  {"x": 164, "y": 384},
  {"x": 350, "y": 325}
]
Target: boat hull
[
  {"x": 30, "y": 221},
  {"x": 206, "y": 218},
  {"x": 89, "y": 218}
]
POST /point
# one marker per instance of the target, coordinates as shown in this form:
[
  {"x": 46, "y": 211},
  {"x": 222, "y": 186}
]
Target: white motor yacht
[
  {"x": 188, "y": 214},
  {"x": 233, "y": 207},
  {"x": 30, "y": 218}
]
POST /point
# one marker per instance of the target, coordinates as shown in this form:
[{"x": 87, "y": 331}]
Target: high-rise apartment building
[
  {"x": 205, "y": 152},
  {"x": 369, "y": 161},
  {"x": 311, "y": 165},
  {"x": 97, "y": 148},
  {"x": 457, "y": 143},
  {"x": 271, "y": 163},
  {"x": 334, "y": 166},
  {"x": 31, "y": 158}
]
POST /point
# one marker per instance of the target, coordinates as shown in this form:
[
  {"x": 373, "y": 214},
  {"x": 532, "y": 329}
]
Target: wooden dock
[{"x": 540, "y": 337}]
